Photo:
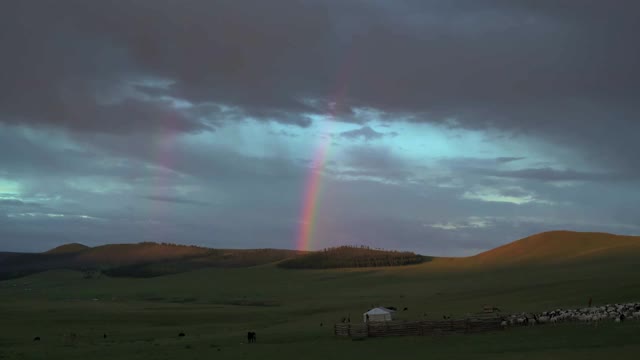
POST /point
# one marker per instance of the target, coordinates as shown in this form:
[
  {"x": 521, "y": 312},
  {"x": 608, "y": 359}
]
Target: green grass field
[{"x": 216, "y": 307}]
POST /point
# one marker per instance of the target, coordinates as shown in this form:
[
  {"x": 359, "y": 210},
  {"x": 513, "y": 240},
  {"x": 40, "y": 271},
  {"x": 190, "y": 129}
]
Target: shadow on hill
[{"x": 352, "y": 257}]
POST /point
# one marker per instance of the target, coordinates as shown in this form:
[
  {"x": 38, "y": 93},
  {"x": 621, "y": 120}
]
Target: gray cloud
[
  {"x": 176, "y": 200},
  {"x": 549, "y": 174},
  {"x": 366, "y": 133},
  {"x": 504, "y": 160}
]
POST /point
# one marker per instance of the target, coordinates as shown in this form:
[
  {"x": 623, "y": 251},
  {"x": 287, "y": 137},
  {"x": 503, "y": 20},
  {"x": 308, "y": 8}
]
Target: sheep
[{"x": 614, "y": 312}]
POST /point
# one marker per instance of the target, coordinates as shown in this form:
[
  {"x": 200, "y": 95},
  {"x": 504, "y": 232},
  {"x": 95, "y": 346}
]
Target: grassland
[{"x": 215, "y": 307}]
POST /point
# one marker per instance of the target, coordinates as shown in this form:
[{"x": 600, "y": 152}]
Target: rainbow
[
  {"x": 312, "y": 189},
  {"x": 311, "y": 197}
]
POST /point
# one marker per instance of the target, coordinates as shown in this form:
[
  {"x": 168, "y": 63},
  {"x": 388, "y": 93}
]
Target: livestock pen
[{"x": 417, "y": 328}]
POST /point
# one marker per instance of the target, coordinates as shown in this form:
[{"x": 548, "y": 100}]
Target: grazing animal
[
  {"x": 320, "y": 324},
  {"x": 104, "y": 336},
  {"x": 181, "y": 334},
  {"x": 251, "y": 337},
  {"x": 405, "y": 309},
  {"x": 37, "y": 338}
]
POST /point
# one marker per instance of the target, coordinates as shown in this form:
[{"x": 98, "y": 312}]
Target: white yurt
[{"x": 378, "y": 314}]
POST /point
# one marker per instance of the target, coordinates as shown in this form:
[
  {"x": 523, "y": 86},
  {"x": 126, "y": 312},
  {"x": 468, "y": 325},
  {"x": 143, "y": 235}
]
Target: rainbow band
[
  {"x": 312, "y": 187},
  {"x": 312, "y": 192}
]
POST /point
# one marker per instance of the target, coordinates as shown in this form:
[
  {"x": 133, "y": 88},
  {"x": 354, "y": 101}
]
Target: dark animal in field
[
  {"x": 320, "y": 324},
  {"x": 251, "y": 337},
  {"x": 405, "y": 309},
  {"x": 104, "y": 336},
  {"x": 37, "y": 338},
  {"x": 181, "y": 334}
]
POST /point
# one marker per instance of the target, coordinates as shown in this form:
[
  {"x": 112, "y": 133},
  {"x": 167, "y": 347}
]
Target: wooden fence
[{"x": 417, "y": 328}]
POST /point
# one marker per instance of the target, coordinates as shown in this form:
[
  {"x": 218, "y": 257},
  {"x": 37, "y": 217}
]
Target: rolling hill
[
  {"x": 137, "y": 260},
  {"x": 152, "y": 259},
  {"x": 68, "y": 248},
  {"x": 558, "y": 247},
  {"x": 352, "y": 257}
]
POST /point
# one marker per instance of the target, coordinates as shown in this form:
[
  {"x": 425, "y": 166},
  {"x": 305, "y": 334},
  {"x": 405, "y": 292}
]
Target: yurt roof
[{"x": 378, "y": 311}]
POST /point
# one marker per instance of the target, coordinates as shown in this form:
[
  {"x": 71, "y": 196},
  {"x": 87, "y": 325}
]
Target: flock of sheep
[{"x": 615, "y": 312}]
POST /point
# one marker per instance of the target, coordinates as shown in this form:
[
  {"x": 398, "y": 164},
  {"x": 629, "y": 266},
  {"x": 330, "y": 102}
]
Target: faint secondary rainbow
[{"x": 313, "y": 185}]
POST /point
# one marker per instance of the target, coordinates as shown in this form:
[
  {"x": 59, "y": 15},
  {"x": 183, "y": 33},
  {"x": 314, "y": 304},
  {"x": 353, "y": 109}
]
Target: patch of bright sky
[
  {"x": 423, "y": 144},
  {"x": 471, "y": 222},
  {"x": 9, "y": 189},
  {"x": 492, "y": 195},
  {"x": 98, "y": 185},
  {"x": 32, "y": 215}
]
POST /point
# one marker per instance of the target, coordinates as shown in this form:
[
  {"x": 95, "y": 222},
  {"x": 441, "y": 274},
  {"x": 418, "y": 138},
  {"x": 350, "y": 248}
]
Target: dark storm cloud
[{"x": 564, "y": 69}]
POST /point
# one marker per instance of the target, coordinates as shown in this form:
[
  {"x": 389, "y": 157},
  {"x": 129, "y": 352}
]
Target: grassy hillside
[
  {"x": 351, "y": 257},
  {"x": 215, "y": 307},
  {"x": 558, "y": 247},
  {"x": 68, "y": 248},
  {"x": 152, "y": 259},
  {"x": 143, "y": 259}
]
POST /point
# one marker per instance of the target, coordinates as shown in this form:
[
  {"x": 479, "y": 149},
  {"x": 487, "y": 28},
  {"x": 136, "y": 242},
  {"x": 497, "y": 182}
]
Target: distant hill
[
  {"x": 152, "y": 259},
  {"x": 350, "y": 257},
  {"x": 136, "y": 260},
  {"x": 68, "y": 248},
  {"x": 559, "y": 246}
]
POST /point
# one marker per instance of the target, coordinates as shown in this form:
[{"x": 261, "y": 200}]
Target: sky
[{"x": 441, "y": 127}]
